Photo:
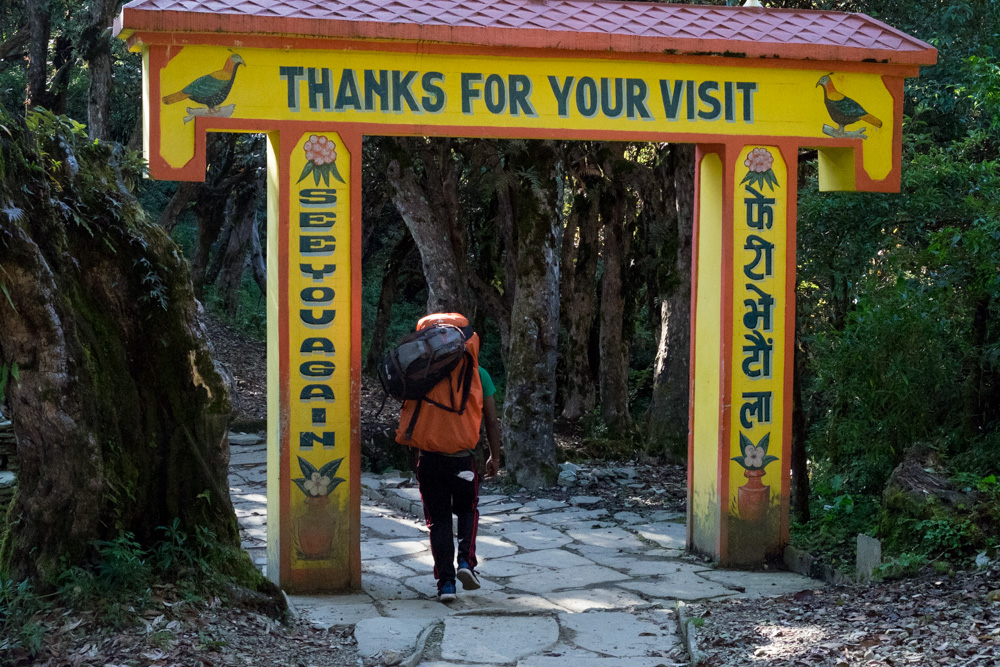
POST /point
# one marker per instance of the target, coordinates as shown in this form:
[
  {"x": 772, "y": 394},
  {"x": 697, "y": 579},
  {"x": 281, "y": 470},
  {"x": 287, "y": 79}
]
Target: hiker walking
[{"x": 444, "y": 426}]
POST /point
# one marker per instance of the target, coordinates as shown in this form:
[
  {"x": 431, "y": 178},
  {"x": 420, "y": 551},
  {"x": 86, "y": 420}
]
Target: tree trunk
[
  {"x": 39, "y": 20},
  {"x": 185, "y": 192},
  {"x": 430, "y": 211},
  {"x": 119, "y": 412},
  {"x": 667, "y": 424},
  {"x": 579, "y": 271},
  {"x": 95, "y": 46},
  {"x": 387, "y": 295},
  {"x": 529, "y": 408},
  {"x": 614, "y": 345}
]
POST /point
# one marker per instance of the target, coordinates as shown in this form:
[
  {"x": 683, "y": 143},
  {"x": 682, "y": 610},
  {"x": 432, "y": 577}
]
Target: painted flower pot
[
  {"x": 753, "y": 498},
  {"x": 316, "y": 528}
]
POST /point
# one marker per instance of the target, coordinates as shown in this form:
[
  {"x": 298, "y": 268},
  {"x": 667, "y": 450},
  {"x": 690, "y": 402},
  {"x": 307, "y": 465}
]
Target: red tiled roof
[{"x": 629, "y": 27}]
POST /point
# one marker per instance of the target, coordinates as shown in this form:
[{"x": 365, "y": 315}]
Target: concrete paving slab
[
  {"x": 407, "y": 493},
  {"x": 503, "y": 639},
  {"x": 667, "y": 553},
  {"x": 571, "y": 577},
  {"x": 652, "y": 568},
  {"x": 608, "y": 557},
  {"x": 419, "y": 609},
  {"x": 250, "y": 457},
  {"x": 551, "y": 558},
  {"x": 666, "y": 515},
  {"x": 394, "y": 527},
  {"x": 506, "y": 602},
  {"x": 489, "y": 546},
  {"x": 762, "y": 584},
  {"x": 384, "y": 588},
  {"x": 423, "y": 562},
  {"x": 489, "y": 499},
  {"x": 496, "y": 508},
  {"x": 399, "y": 635},
  {"x": 666, "y": 534},
  {"x": 326, "y": 611},
  {"x": 585, "y": 500},
  {"x": 619, "y": 634},
  {"x": 513, "y": 524},
  {"x": 391, "y": 548},
  {"x": 491, "y": 521},
  {"x": 541, "y": 504},
  {"x": 246, "y": 439},
  {"x": 597, "y": 598},
  {"x": 542, "y": 538},
  {"x": 630, "y": 518},
  {"x": 677, "y": 586},
  {"x": 504, "y": 567},
  {"x": 560, "y": 518},
  {"x": 577, "y": 661},
  {"x": 387, "y": 568},
  {"x": 609, "y": 538}
]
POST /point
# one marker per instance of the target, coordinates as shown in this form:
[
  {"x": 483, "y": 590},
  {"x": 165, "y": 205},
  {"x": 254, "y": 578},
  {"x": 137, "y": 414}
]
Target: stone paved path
[{"x": 563, "y": 584}]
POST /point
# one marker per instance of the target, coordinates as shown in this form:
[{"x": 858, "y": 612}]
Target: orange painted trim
[
  {"x": 135, "y": 20},
  {"x": 284, "y": 366},
  {"x": 730, "y": 152},
  {"x": 790, "y": 154},
  {"x": 282, "y": 42},
  {"x": 692, "y": 346},
  {"x": 194, "y": 170},
  {"x": 353, "y": 142}
]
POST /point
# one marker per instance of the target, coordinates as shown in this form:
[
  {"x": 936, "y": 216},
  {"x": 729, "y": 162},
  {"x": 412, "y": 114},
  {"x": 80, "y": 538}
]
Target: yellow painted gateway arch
[{"x": 749, "y": 86}]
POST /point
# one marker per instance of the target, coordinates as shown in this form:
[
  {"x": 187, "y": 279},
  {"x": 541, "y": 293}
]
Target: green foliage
[
  {"x": 116, "y": 585},
  {"x": 904, "y": 565},
  {"x": 20, "y": 610}
]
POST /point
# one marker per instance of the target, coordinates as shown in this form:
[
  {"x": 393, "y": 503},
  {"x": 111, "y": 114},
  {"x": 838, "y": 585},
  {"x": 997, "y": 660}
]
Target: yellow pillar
[{"x": 744, "y": 318}]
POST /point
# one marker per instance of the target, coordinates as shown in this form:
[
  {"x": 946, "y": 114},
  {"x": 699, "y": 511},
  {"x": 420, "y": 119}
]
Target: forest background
[{"x": 898, "y": 296}]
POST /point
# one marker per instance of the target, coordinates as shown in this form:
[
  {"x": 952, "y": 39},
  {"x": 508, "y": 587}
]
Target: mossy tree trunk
[
  {"x": 617, "y": 211},
  {"x": 529, "y": 408},
  {"x": 424, "y": 181},
  {"x": 580, "y": 254},
  {"x": 119, "y": 412},
  {"x": 667, "y": 419}
]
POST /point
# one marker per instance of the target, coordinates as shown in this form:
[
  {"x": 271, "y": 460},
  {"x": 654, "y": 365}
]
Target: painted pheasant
[
  {"x": 843, "y": 110},
  {"x": 211, "y": 89}
]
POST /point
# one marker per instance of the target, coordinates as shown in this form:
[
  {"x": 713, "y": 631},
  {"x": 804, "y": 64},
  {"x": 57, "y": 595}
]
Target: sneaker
[
  {"x": 446, "y": 593},
  {"x": 470, "y": 581}
]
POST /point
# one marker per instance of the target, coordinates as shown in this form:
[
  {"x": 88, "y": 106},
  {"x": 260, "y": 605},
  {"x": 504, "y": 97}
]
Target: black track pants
[{"x": 443, "y": 493}]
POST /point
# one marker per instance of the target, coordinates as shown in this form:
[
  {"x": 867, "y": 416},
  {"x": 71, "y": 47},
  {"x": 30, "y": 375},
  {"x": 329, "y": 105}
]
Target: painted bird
[
  {"x": 211, "y": 89},
  {"x": 843, "y": 110}
]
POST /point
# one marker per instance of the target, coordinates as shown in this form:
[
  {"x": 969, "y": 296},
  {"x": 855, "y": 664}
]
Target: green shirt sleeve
[{"x": 488, "y": 388}]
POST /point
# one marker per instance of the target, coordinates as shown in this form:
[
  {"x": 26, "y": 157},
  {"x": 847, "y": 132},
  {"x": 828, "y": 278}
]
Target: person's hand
[{"x": 492, "y": 467}]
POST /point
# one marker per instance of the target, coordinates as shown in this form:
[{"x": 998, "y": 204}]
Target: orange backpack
[{"x": 448, "y": 417}]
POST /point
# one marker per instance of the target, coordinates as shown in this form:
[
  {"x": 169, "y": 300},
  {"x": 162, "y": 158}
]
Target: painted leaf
[
  {"x": 307, "y": 468},
  {"x": 744, "y": 443},
  {"x": 305, "y": 172},
  {"x": 765, "y": 441},
  {"x": 330, "y": 469},
  {"x": 741, "y": 460},
  {"x": 336, "y": 172},
  {"x": 768, "y": 459},
  {"x": 301, "y": 483},
  {"x": 335, "y": 482}
]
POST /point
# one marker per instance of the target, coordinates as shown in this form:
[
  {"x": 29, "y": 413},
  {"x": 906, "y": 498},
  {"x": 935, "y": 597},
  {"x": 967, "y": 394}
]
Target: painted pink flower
[
  {"x": 759, "y": 160},
  {"x": 320, "y": 150},
  {"x": 321, "y": 160}
]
